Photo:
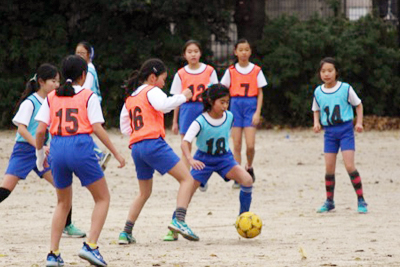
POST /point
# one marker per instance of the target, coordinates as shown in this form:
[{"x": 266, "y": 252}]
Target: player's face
[
  {"x": 160, "y": 82},
  {"x": 192, "y": 54},
  {"x": 243, "y": 52},
  {"x": 82, "y": 52},
  {"x": 220, "y": 105},
  {"x": 50, "y": 84},
  {"x": 328, "y": 74}
]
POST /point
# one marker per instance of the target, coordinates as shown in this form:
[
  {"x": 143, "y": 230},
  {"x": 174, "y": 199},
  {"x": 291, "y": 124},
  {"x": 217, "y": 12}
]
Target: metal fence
[{"x": 304, "y": 9}]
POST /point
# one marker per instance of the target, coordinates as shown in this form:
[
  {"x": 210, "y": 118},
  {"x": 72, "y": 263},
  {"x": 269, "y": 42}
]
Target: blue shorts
[
  {"x": 74, "y": 154},
  {"x": 220, "y": 164},
  {"x": 23, "y": 161},
  {"x": 341, "y": 135},
  {"x": 188, "y": 112},
  {"x": 243, "y": 109},
  {"x": 153, "y": 154}
]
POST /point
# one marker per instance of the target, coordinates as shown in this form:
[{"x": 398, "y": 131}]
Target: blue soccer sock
[{"x": 245, "y": 198}]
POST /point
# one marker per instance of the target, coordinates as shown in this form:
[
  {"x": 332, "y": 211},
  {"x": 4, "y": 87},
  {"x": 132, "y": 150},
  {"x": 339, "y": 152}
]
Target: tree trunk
[{"x": 250, "y": 18}]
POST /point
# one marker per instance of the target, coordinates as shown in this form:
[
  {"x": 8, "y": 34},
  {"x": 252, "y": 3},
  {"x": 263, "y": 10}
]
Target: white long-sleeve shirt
[{"x": 158, "y": 99}]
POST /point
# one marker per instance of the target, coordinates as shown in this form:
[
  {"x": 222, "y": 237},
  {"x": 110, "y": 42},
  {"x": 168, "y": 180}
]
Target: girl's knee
[{"x": 145, "y": 195}]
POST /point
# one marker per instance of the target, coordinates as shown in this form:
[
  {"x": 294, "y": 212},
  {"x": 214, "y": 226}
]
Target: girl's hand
[
  {"x": 359, "y": 127},
  {"x": 46, "y": 150},
  {"x": 256, "y": 119},
  {"x": 121, "y": 160},
  {"x": 196, "y": 164},
  {"x": 175, "y": 128},
  {"x": 317, "y": 128},
  {"x": 187, "y": 93}
]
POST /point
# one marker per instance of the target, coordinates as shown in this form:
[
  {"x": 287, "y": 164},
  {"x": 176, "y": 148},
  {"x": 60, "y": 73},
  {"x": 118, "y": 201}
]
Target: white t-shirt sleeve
[
  {"x": 124, "y": 122},
  {"x": 24, "y": 113},
  {"x": 159, "y": 100},
  {"x": 214, "y": 77},
  {"x": 192, "y": 132},
  {"x": 89, "y": 81},
  {"x": 226, "y": 79},
  {"x": 353, "y": 98},
  {"x": 261, "y": 80},
  {"x": 176, "y": 86},
  {"x": 315, "y": 106},
  {"x": 43, "y": 114},
  {"x": 95, "y": 113}
]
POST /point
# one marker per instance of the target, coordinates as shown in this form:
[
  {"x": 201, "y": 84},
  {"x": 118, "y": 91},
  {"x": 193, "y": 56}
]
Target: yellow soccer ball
[{"x": 248, "y": 225}]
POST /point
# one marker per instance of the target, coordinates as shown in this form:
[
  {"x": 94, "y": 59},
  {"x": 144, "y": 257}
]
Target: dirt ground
[{"x": 289, "y": 167}]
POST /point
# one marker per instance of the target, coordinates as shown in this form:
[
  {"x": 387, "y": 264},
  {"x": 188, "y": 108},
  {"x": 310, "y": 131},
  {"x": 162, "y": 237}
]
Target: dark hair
[
  {"x": 195, "y": 42},
  {"x": 72, "y": 68},
  {"x": 45, "y": 72},
  {"x": 242, "y": 41},
  {"x": 329, "y": 60},
  {"x": 138, "y": 77},
  {"x": 212, "y": 93},
  {"x": 88, "y": 47}
]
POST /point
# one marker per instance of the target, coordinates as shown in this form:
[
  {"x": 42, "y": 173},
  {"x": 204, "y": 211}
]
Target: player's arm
[
  {"x": 191, "y": 133},
  {"x": 317, "y": 124},
  {"x": 359, "y": 123},
  {"x": 40, "y": 153},
  {"x": 23, "y": 131},
  {"x": 257, "y": 114},
  {"x": 103, "y": 136}
]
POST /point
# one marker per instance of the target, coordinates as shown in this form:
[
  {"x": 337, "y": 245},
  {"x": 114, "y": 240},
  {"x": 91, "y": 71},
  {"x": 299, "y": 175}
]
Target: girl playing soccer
[
  {"x": 23, "y": 158},
  {"x": 86, "y": 51},
  {"x": 195, "y": 76},
  {"x": 72, "y": 113},
  {"x": 245, "y": 81},
  {"x": 142, "y": 117},
  {"x": 333, "y": 108},
  {"x": 212, "y": 129}
]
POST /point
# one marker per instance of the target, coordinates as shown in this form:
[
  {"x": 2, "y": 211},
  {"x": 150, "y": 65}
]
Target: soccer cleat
[
  {"x": 53, "y": 260},
  {"x": 72, "y": 231},
  {"x": 362, "y": 206},
  {"x": 236, "y": 185},
  {"x": 328, "y": 206},
  {"x": 182, "y": 228},
  {"x": 125, "y": 238},
  {"x": 251, "y": 172},
  {"x": 171, "y": 236},
  {"x": 203, "y": 187},
  {"x": 104, "y": 160},
  {"x": 91, "y": 255}
]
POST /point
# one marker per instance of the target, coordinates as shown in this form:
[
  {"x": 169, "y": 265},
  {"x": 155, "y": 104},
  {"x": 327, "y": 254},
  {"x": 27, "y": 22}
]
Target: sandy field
[{"x": 289, "y": 167}]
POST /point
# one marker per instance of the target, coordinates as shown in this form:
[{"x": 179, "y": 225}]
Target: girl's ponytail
[
  {"x": 72, "y": 69},
  {"x": 45, "y": 72},
  {"x": 138, "y": 77},
  {"x": 132, "y": 83}
]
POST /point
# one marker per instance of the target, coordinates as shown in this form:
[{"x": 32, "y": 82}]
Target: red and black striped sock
[
  {"x": 330, "y": 186},
  {"x": 356, "y": 181}
]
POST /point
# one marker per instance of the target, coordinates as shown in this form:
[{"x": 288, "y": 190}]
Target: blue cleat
[
  {"x": 362, "y": 206},
  {"x": 91, "y": 255},
  {"x": 53, "y": 260},
  {"x": 182, "y": 228},
  {"x": 328, "y": 206}
]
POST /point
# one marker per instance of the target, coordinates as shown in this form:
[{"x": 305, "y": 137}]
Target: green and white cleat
[
  {"x": 171, "y": 236},
  {"x": 125, "y": 238},
  {"x": 72, "y": 231}
]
